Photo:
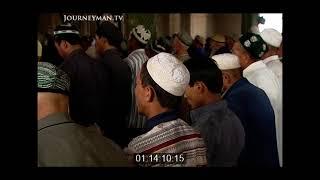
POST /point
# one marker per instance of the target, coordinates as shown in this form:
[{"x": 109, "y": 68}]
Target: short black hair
[
  {"x": 72, "y": 38},
  {"x": 165, "y": 99},
  {"x": 109, "y": 31},
  {"x": 205, "y": 70}
]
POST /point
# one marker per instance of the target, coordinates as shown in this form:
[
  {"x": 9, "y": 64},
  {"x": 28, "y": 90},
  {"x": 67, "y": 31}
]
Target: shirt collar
[
  {"x": 160, "y": 118},
  {"x": 137, "y": 51},
  {"x": 234, "y": 85},
  {"x": 53, "y": 119},
  {"x": 253, "y": 67},
  {"x": 74, "y": 52},
  {"x": 198, "y": 113},
  {"x": 271, "y": 58}
]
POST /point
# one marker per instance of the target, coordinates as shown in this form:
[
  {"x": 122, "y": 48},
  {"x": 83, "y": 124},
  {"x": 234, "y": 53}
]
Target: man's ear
[
  {"x": 149, "y": 93},
  {"x": 226, "y": 77},
  {"x": 200, "y": 86}
]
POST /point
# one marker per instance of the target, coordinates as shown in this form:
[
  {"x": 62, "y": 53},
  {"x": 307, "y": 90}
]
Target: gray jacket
[
  {"x": 222, "y": 132},
  {"x": 62, "y": 142}
]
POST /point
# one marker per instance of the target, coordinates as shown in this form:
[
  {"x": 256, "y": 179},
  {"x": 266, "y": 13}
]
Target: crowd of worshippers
[{"x": 167, "y": 102}]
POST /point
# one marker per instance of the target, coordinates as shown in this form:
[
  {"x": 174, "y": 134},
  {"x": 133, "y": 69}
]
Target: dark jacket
[
  {"x": 62, "y": 142},
  {"x": 119, "y": 97},
  {"x": 87, "y": 87},
  {"x": 253, "y": 107}
]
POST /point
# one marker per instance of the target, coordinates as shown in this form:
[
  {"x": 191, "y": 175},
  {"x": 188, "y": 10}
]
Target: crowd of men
[{"x": 165, "y": 102}]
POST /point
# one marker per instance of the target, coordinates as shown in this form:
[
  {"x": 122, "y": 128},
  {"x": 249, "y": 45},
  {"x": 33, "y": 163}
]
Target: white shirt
[
  {"x": 261, "y": 76},
  {"x": 274, "y": 63}
]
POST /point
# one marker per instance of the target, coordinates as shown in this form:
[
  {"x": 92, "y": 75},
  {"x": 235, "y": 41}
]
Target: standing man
[
  {"x": 181, "y": 42},
  {"x": 61, "y": 141},
  {"x": 86, "y": 89},
  {"x": 273, "y": 38},
  {"x": 138, "y": 39},
  {"x": 117, "y": 101},
  {"x": 220, "y": 128},
  {"x": 250, "y": 49},
  {"x": 159, "y": 89},
  {"x": 253, "y": 107}
]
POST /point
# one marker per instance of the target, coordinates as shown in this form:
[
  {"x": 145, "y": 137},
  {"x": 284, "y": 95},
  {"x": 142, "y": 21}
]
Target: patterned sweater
[{"x": 171, "y": 136}]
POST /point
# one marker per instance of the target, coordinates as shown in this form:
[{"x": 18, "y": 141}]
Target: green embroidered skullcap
[
  {"x": 254, "y": 45},
  {"x": 52, "y": 79}
]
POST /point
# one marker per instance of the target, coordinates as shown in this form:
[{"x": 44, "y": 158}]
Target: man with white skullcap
[
  {"x": 250, "y": 48},
  {"x": 61, "y": 141},
  {"x": 219, "y": 126},
  {"x": 273, "y": 38},
  {"x": 159, "y": 88},
  {"x": 253, "y": 107},
  {"x": 138, "y": 39}
]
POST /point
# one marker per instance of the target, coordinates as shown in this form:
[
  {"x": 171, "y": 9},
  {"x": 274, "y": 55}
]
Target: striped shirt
[
  {"x": 172, "y": 136},
  {"x": 135, "y": 61}
]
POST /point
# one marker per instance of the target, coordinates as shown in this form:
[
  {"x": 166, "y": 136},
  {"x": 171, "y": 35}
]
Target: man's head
[
  {"x": 138, "y": 38},
  {"x": 161, "y": 84},
  {"x": 250, "y": 48},
  {"x": 218, "y": 41},
  {"x": 260, "y": 20},
  {"x": 66, "y": 38},
  {"x": 107, "y": 36},
  {"x": 273, "y": 38},
  {"x": 230, "y": 67},
  {"x": 155, "y": 47},
  {"x": 181, "y": 42},
  {"x": 205, "y": 81},
  {"x": 53, "y": 90}
]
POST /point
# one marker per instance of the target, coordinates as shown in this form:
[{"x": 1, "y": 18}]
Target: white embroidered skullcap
[
  {"x": 271, "y": 37},
  {"x": 143, "y": 35},
  {"x": 226, "y": 61},
  {"x": 169, "y": 73}
]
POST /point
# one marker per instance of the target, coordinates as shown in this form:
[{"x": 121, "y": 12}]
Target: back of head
[
  {"x": 109, "y": 31},
  {"x": 206, "y": 71},
  {"x": 141, "y": 35},
  {"x": 254, "y": 45},
  {"x": 67, "y": 32},
  {"x": 219, "y": 38},
  {"x": 272, "y": 37},
  {"x": 168, "y": 77},
  {"x": 185, "y": 38}
]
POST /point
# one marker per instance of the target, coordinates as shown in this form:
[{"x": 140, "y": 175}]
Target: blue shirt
[{"x": 253, "y": 107}]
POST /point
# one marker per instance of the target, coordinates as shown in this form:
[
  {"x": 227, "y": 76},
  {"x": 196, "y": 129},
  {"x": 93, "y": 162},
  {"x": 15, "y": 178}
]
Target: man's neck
[
  {"x": 73, "y": 48},
  {"x": 211, "y": 98},
  {"x": 155, "y": 111},
  {"x": 268, "y": 54},
  {"x": 44, "y": 112},
  {"x": 108, "y": 47}
]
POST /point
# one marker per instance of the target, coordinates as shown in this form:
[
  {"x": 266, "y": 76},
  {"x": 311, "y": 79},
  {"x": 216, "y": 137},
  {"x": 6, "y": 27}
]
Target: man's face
[
  {"x": 193, "y": 95},
  {"x": 238, "y": 51},
  {"x": 175, "y": 44},
  {"x": 99, "y": 44},
  {"x": 61, "y": 48}
]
